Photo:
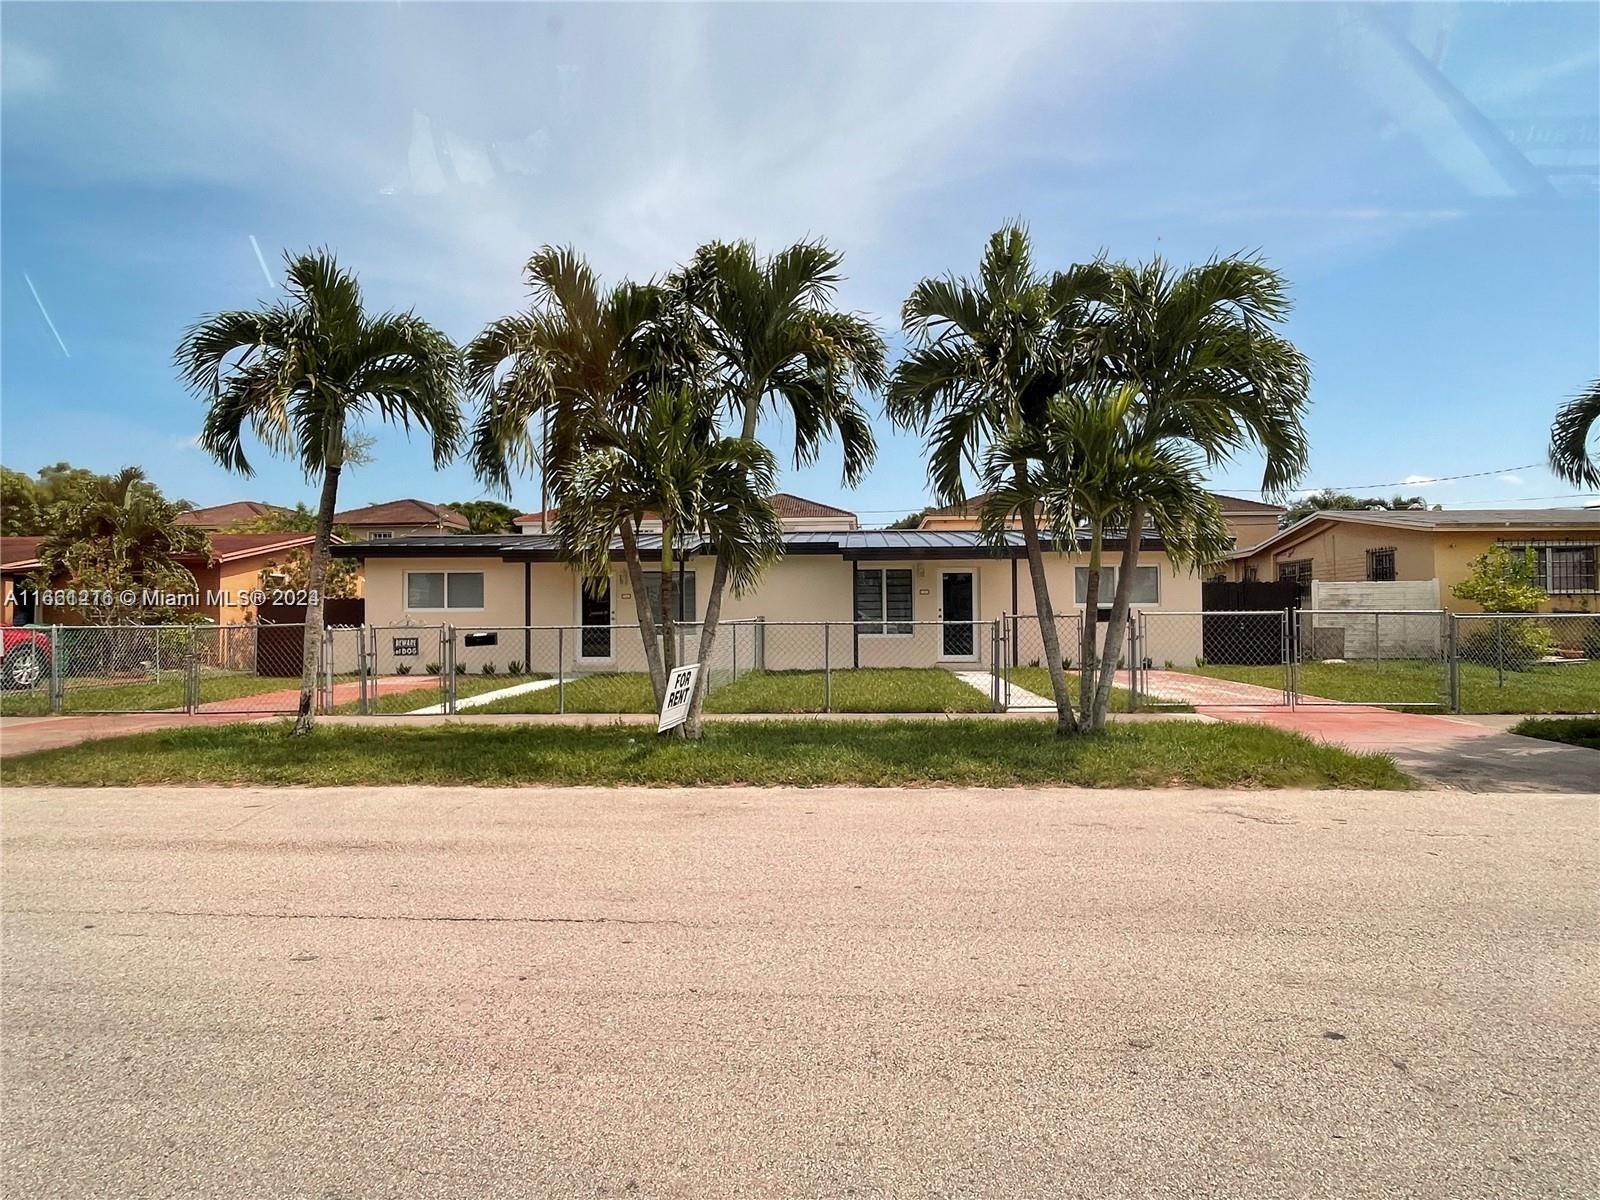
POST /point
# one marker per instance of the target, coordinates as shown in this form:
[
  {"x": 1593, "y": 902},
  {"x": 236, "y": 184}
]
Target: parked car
[{"x": 24, "y": 658}]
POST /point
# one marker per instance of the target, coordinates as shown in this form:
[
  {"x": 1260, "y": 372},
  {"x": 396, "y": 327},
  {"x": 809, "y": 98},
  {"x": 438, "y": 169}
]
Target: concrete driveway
[{"x": 459, "y": 993}]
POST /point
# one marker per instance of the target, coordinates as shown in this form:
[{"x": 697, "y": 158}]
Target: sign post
[{"x": 680, "y": 690}]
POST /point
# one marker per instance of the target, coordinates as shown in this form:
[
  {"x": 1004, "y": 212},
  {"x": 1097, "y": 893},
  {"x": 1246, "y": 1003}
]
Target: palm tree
[
  {"x": 778, "y": 343},
  {"x": 1569, "y": 439},
  {"x": 986, "y": 356},
  {"x": 1198, "y": 346},
  {"x": 578, "y": 362},
  {"x": 670, "y": 460},
  {"x": 1086, "y": 467},
  {"x": 117, "y": 534},
  {"x": 302, "y": 375}
]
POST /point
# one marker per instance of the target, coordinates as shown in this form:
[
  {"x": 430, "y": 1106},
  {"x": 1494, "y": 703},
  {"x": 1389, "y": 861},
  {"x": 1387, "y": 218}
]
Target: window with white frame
[
  {"x": 883, "y": 600},
  {"x": 380, "y": 535},
  {"x": 1145, "y": 589},
  {"x": 435, "y": 591}
]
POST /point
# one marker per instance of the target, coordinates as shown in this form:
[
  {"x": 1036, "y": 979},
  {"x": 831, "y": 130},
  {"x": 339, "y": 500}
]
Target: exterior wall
[
  {"x": 1455, "y": 552},
  {"x": 1250, "y": 529},
  {"x": 1383, "y": 630},
  {"x": 794, "y": 599},
  {"x": 1338, "y": 553}
]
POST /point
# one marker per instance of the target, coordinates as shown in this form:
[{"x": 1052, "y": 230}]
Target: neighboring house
[
  {"x": 1344, "y": 547},
  {"x": 223, "y": 516},
  {"x": 884, "y": 579},
  {"x": 1249, "y": 521},
  {"x": 796, "y": 513},
  {"x": 224, "y": 577},
  {"x": 400, "y": 518}
]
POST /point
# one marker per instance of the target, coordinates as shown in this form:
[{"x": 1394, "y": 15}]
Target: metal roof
[{"x": 848, "y": 544}]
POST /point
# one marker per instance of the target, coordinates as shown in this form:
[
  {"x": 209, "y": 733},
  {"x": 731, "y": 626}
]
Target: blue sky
[{"x": 1425, "y": 176}]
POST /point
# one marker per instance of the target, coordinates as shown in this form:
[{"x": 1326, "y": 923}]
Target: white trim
[
  {"x": 972, "y": 576},
  {"x": 405, "y": 590}
]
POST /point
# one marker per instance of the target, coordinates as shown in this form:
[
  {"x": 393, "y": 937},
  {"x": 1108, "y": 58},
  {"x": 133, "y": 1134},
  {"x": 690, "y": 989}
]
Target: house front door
[{"x": 957, "y": 607}]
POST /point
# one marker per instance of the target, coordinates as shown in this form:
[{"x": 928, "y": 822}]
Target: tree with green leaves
[
  {"x": 486, "y": 516},
  {"x": 1330, "y": 500},
  {"x": 1569, "y": 439},
  {"x": 291, "y": 570},
  {"x": 1502, "y": 582},
  {"x": 117, "y": 541},
  {"x": 1201, "y": 351},
  {"x": 668, "y": 460},
  {"x": 302, "y": 376},
  {"x": 912, "y": 520},
  {"x": 986, "y": 357},
  {"x": 1084, "y": 471},
  {"x": 581, "y": 360},
  {"x": 776, "y": 343}
]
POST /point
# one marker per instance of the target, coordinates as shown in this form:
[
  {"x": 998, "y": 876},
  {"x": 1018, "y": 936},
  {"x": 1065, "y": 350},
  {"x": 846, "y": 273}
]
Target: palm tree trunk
[
  {"x": 316, "y": 572},
  {"x": 1049, "y": 636},
  {"x": 1119, "y": 615},
  {"x": 669, "y": 624},
  {"x": 1088, "y": 646},
  {"x": 641, "y": 608},
  {"x": 719, "y": 584}
]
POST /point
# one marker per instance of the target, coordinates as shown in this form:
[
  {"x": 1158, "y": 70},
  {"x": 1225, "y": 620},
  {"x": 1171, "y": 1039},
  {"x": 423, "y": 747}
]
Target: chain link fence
[{"x": 1405, "y": 659}]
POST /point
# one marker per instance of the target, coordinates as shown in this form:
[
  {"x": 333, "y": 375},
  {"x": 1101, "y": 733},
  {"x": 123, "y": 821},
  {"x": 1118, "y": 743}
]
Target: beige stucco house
[
  {"x": 1344, "y": 547},
  {"x": 847, "y": 596}
]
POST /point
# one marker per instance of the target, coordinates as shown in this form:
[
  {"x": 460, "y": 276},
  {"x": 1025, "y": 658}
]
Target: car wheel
[{"x": 24, "y": 667}]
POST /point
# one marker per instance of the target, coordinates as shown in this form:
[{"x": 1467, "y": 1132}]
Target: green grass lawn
[
  {"x": 1569, "y": 688},
  {"x": 875, "y": 690},
  {"x": 427, "y": 695},
  {"x": 1037, "y": 681},
  {"x": 1574, "y": 731},
  {"x": 887, "y": 753},
  {"x": 140, "y": 694}
]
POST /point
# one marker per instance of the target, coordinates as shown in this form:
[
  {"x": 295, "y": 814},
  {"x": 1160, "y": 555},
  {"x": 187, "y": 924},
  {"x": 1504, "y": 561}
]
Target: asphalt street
[{"x": 590, "y": 993}]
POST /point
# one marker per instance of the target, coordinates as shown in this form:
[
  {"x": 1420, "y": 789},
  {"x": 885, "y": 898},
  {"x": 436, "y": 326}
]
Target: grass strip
[{"x": 889, "y": 753}]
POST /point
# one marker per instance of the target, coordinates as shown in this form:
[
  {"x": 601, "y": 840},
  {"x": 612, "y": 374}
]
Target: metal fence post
[
  {"x": 561, "y": 668},
  {"x": 327, "y": 670},
  {"x": 994, "y": 665},
  {"x": 191, "y": 683},
  {"x": 735, "y": 678},
  {"x": 1452, "y": 663},
  {"x": 368, "y": 632},
  {"x": 448, "y": 635},
  {"x": 1135, "y": 660},
  {"x": 158, "y": 654},
  {"x": 1286, "y": 638},
  {"x": 827, "y": 666},
  {"x": 56, "y": 674}
]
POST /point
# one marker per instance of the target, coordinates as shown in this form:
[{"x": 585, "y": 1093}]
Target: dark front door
[
  {"x": 595, "y": 615},
  {"x": 956, "y": 608}
]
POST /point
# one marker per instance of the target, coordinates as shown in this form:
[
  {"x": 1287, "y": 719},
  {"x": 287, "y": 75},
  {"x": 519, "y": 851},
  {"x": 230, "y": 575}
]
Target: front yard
[
  {"x": 1568, "y": 688},
  {"x": 974, "y": 753},
  {"x": 141, "y": 695}
]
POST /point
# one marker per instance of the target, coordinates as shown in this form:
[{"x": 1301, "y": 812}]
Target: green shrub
[
  {"x": 1512, "y": 644},
  {"x": 431, "y": 668},
  {"x": 488, "y": 668}
]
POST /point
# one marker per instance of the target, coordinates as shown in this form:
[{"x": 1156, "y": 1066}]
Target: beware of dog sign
[{"x": 680, "y": 689}]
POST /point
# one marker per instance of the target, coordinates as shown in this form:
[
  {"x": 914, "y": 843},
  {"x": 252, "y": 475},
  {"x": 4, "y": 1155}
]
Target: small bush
[
  {"x": 1512, "y": 644},
  {"x": 402, "y": 668},
  {"x": 431, "y": 668},
  {"x": 461, "y": 668},
  {"x": 488, "y": 668},
  {"x": 514, "y": 667}
]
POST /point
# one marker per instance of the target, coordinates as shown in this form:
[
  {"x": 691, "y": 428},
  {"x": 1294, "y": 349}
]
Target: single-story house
[
  {"x": 400, "y": 518},
  {"x": 1249, "y": 521},
  {"x": 225, "y": 576},
  {"x": 225, "y": 516},
  {"x": 1378, "y": 546},
  {"x": 896, "y": 597}
]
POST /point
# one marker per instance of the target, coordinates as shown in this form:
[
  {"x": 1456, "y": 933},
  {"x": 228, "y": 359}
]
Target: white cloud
[
  {"x": 24, "y": 71},
  {"x": 1510, "y": 480}
]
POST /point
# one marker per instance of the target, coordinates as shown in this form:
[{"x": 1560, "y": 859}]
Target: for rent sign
[{"x": 680, "y": 690}]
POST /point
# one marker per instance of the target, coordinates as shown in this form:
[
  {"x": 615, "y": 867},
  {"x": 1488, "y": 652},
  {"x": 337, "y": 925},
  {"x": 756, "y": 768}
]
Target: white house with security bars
[{"x": 840, "y": 596}]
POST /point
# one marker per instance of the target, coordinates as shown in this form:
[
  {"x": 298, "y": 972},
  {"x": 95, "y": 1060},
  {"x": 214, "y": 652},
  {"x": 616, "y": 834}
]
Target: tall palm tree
[
  {"x": 777, "y": 343},
  {"x": 1200, "y": 349},
  {"x": 302, "y": 376},
  {"x": 1569, "y": 439},
  {"x": 986, "y": 356},
  {"x": 579, "y": 361},
  {"x": 670, "y": 460},
  {"x": 1087, "y": 467}
]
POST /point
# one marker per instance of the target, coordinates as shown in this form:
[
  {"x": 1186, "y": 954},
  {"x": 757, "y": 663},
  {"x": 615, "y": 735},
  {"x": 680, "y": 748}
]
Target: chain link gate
[
  {"x": 1229, "y": 659},
  {"x": 1399, "y": 658}
]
